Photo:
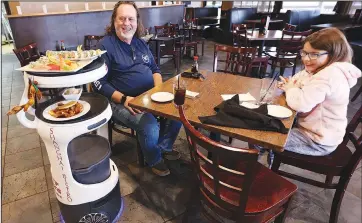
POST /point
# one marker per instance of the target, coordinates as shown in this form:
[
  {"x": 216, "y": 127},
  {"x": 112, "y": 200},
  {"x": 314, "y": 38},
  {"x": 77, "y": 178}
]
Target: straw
[
  {"x": 178, "y": 82},
  {"x": 277, "y": 75}
]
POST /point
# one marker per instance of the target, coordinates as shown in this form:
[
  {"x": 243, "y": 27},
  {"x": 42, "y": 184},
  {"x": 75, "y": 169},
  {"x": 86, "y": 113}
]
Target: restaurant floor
[{"x": 28, "y": 195}]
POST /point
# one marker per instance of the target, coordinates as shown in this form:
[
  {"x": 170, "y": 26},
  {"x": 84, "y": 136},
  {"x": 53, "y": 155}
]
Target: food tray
[{"x": 82, "y": 64}]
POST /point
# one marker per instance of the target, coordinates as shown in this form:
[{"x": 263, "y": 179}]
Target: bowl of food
[{"x": 72, "y": 93}]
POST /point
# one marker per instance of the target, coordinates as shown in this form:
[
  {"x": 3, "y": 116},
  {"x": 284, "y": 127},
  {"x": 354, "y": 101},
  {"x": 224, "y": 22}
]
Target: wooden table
[
  {"x": 210, "y": 91},
  {"x": 258, "y": 21},
  {"x": 340, "y": 26},
  {"x": 159, "y": 40},
  {"x": 255, "y": 35}
]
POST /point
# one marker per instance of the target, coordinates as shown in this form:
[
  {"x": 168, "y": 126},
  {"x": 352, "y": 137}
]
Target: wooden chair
[
  {"x": 259, "y": 63},
  {"x": 27, "y": 54},
  {"x": 289, "y": 27},
  {"x": 342, "y": 162},
  {"x": 233, "y": 184},
  {"x": 287, "y": 52},
  {"x": 197, "y": 34},
  {"x": 168, "y": 49},
  {"x": 91, "y": 42},
  {"x": 237, "y": 58},
  {"x": 357, "y": 94},
  {"x": 239, "y": 32}
]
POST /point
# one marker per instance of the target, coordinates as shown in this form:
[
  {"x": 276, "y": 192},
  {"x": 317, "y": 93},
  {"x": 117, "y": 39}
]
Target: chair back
[
  {"x": 237, "y": 58},
  {"x": 27, "y": 54},
  {"x": 356, "y": 138},
  {"x": 163, "y": 31},
  {"x": 291, "y": 43},
  {"x": 214, "y": 174},
  {"x": 91, "y": 42},
  {"x": 239, "y": 32},
  {"x": 290, "y": 27},
  {"x": 258, "y": 62}
]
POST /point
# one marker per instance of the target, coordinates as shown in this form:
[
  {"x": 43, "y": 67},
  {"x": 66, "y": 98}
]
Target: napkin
[
  {"x": 191, "y": 94},
  {"x": 242, "y": 97}
]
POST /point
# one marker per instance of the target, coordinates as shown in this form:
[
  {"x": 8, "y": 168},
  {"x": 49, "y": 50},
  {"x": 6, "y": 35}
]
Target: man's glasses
[
  {"x": 312, "y": 56},
  {"x": 133, "y": 53}
]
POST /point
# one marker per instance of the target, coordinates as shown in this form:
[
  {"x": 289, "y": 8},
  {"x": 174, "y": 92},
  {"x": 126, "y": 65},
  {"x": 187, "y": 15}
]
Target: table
[
  {"x": 210, "y": 89},
  {"x": 257, "y": 21},
  {"x": 340, "y": 26},
  {"x": 254, "y": 35},
  {"x": 191, "y": 29},
  {"x": 212, "y": 17}
]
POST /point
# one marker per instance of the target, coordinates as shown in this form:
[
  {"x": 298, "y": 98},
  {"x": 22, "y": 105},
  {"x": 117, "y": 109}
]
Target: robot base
[{"x": 105, "y": 210}]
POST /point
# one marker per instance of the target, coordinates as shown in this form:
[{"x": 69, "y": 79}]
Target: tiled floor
[{"x": 28, "y": 196}]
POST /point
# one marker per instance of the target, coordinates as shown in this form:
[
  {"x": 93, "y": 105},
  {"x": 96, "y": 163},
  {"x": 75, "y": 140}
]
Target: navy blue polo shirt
[{"x": 130, "y": 67}]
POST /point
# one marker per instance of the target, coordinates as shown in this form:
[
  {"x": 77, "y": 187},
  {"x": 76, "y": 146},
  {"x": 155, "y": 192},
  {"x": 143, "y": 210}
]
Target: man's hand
[
  {"x": 157, "y": 79},
  {"x": 133, "y": 111}
]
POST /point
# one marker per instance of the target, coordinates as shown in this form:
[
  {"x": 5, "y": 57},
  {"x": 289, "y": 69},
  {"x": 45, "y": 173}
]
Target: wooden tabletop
[
  {"x": 259, "y": 21},
  {"x": 270, "y": 35},
  {"x": 340, "y": 26},
  {"x": 210, "y": 91}
]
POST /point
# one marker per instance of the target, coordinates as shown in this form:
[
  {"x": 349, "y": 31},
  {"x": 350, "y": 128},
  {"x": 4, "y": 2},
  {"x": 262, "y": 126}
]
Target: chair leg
[
  {"x": 336, "y": 205},
  {"x": 276, "y": 164},
  {"x": 294, "y": 67},
  {"x": 281, "y": 218},
  {"x": 230, "y": 140},
  {"x": 329, "y": 179},
  {"x": 203, "y": 46},
  {"x": 141, "y": 158}
]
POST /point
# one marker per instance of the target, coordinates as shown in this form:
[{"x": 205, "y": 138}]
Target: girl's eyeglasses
[{"x": 312, "y": 56}]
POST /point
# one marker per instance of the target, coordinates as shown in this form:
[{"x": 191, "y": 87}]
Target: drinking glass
[
  {"x": 179, "y": 91},
  {"x": 267, "y": 91}
]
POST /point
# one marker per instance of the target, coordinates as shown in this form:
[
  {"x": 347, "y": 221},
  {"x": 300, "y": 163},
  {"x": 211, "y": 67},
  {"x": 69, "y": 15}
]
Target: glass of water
[{"x": 267, "y": 91}]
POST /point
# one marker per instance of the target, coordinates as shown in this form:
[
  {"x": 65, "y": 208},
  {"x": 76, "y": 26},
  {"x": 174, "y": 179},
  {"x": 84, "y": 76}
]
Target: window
[
  {"x": 327, "y": 7},
  {"x": 290, "y": 5},
  {"x": 355, "y": 5},
  {"x": 262, "y": 6},
  {"x": 213, "y": 3}
]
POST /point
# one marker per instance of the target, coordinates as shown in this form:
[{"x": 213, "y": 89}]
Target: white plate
[
  {"x": 278, "y": 111},
  {"x": 82, "y": 64},
  {"x": 162, "y": 96},
  {"x": 86, "y": 108},
  {"x": 250, "y": 105}
]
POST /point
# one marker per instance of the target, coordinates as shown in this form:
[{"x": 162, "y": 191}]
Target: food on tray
[
  {"x": 33, "y": 91},
  {"x": 70, "y": 91},
  {"x": 66, "y": 110},
  {"x": 54, "y": 63},
  {"x": 74, "y": 55}
]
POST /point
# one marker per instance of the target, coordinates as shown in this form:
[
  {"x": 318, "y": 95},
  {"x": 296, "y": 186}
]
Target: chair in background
[
  {"x": 232, "y": 183},
  {"x": 290, "y": 27},
  {"x": 91, "y": 42},
  {"x": 197, "y": 35},
  {"x": 287, "y": 52},
  {"x": 260, "y": 64},
  {"x": 357, "y": 94},
  {"x": 27, "y": 54},
  {"x": 340, "y": 163},
  {"x": 168, "y": 49},
  {"x": 239, "y": 32},
  {"x": 237, "y": 59}
]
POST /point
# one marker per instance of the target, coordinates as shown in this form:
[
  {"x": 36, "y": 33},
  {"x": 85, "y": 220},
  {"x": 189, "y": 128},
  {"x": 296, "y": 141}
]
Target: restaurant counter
[{"x": 46, "y": 29}]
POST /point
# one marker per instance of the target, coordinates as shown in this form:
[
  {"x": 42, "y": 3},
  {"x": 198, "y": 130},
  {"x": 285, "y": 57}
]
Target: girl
[{"x": 320, "y": 93}]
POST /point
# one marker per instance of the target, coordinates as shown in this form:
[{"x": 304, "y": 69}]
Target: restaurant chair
[
  {"x": 287, "y": 27},
  {"x": 237, "y": 59},
  {"x": 27, "y": 54},
  {"x": 197, "y": 35},
  {"x": 259, "y": 64},
  {"x": 239, "y": 32},
  {"x": 30, "y": 53},
  {"x": 340, "y": 163},
  {"x": 357, "y": 94},
  {"x": 287, "y": 53},
  {"x": 91, "y": 42},
  {"x": 232, "y": 184},
  {"x": 168, "y": 49}
]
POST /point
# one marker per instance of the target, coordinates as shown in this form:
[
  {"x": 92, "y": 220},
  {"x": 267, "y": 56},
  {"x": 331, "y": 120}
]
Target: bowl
[{"x": 69, "y": 94}]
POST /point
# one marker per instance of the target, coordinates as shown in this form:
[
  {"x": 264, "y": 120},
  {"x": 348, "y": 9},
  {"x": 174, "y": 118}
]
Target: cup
[
  {"x": 179, "y": 91},
  {"x": 267, "y": 91}
]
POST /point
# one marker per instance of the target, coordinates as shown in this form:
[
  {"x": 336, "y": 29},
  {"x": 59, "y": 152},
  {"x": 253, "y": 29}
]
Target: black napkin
[{"x": 231, "y": 114}]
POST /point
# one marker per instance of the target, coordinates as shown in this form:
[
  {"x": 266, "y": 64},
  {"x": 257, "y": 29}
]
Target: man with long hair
[{"x": 132, "y": 71}]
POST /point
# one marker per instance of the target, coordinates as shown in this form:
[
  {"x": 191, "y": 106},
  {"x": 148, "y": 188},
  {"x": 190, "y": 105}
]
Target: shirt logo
[{"x": 145, "y": 58}]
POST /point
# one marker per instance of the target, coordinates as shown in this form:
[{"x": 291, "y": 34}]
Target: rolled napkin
[
  {"x": 231, "y": 114},
  {"x": 242, "y": 97},
  {"x": 191, "y": 94}
]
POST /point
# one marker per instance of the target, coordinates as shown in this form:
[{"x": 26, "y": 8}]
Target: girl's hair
[
  {"x": 334, "y": 42},
  {"x": 110, "y": 29}
]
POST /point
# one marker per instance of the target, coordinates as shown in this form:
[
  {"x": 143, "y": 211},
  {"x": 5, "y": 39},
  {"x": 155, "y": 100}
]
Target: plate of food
[
  {"x": 66, "y": 110},
  {"x": 78, "y": 55},
  {"x": 54, "y": 64}
]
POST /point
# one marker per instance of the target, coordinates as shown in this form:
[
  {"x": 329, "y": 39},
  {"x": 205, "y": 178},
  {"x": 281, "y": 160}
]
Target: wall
[
  {"x": 36, "y": 7},
  {"x": 46, "y": 30}
]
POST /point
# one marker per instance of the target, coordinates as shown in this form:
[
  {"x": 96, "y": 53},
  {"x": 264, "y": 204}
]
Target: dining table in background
[
  {"x": 210, "y": 91},
  {"x": 340, "y": 26}
]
